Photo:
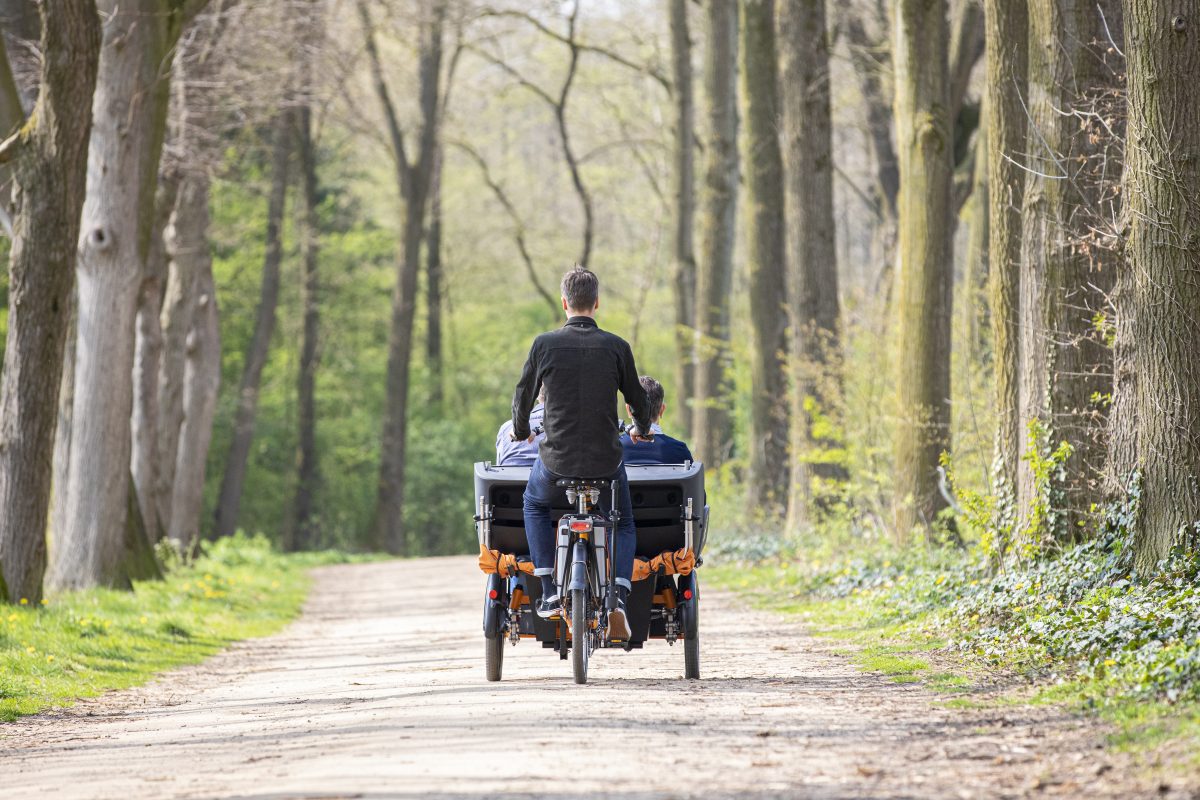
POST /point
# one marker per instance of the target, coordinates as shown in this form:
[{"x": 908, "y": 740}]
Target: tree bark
[
  {"x": 234, "y": 476},
  {"x": 1162, "y": 190},
  {"x": 50, "y": 176},
  {"x": 685, "y": 214},
  {"x": 1005, "y": 125},
  {"x": 305, "y": 533},
  {"x": 712, "y": 423},
  {"x": 767, "y": 476},
  {"x": 925, "y": 145},
  {"x": 1065, "y": 282},
  {"x": 811, "y": 253},
  {"x": 129, "y": 120},
  {"x": 413, "y": 181},
  {"x": 202, "y": 359},
  {"x": 148, "y": 359}
]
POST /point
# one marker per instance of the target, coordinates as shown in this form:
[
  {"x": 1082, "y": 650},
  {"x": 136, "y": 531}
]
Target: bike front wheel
[{"x": 579, "y": 635}]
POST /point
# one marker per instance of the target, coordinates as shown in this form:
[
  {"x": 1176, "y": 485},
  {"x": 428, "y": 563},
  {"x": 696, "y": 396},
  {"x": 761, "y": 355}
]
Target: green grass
[{"x": 81, "y": 644}]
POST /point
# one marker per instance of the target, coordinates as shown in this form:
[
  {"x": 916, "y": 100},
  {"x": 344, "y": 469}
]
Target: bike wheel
[
  {"x": 494, "y": 657},
  {"x": 579, "y": 635},
  {"x": 691, "y": 643}
]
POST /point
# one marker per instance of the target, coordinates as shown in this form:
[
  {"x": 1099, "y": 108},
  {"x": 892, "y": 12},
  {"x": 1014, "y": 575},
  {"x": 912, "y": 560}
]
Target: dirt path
[{"x": 378, "y": 691}]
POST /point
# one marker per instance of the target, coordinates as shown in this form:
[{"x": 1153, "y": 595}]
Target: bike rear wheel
[
  {"x": 579, "y": 635},
  {"x": 494, "y": 657},
  {"x": 691, "y": 640}
]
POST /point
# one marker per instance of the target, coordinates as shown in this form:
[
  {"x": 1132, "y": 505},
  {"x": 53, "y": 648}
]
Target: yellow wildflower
[
  {"x": 1109, "y": 662},
  {"x": 24, "y": 601}
]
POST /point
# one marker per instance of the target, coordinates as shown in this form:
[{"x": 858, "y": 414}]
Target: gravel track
[{"x": 378, "y": 691}]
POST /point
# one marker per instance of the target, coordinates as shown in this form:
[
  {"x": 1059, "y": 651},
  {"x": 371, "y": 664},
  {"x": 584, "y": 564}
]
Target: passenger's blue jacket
[
  {"x": 520, "y": 453},
  {"x": 663, "y": 450}
]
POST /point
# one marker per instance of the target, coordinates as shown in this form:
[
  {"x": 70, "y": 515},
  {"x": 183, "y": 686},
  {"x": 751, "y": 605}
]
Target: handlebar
[{"x": 648, "y": 435}]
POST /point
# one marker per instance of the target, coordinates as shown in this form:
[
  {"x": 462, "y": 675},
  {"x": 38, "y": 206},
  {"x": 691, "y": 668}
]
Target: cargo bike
[{"x": 671, "y": 519}]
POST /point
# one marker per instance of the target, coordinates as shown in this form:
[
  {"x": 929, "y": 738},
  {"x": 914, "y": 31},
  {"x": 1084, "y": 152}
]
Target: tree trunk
[
  {"x": 179, "y": 304},
  {"x": 202, "y": 360},
  {"x": 50, "y": 176},
  {"x": 872, "y": 63},
  {"x": 975, "y": 277},
  {"x": 1065, "y": 281},
  {"x": 767, "y": 477},
  {"x": 712, "y": 423},
  {"x": 305, "y": 531},
  {"x": 234, "y": 476},
  {"x": 1005, "y": 124},
  {"x": 413, "y": 180},
  {"x": 811, "y": 251},
  {"x": 129, "y": 120},
  {"x": 925, "y": 145},
  {"x": 147, "y": 361},
  {"x": 685, "y": 215},
  {"x": 433, "y": 285},
  {"x": 21, "y": 24},
  {"x": 62, "y": 431},
  {"x": 1162, "y": 189}
]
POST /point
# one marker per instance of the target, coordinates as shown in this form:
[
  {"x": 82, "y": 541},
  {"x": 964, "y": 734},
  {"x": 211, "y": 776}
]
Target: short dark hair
[
  {"x": 654, "y": 393},
  {"x": 580, "y": 288}
]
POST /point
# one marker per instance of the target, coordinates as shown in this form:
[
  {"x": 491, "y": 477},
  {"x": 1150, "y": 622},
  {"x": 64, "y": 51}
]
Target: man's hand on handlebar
[
  {"x": 533, "y": 434},
  {"x": 637, "y": 437}
]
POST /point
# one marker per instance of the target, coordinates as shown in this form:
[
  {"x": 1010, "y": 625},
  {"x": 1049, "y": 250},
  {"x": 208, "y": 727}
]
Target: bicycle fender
[{"x": 579, "y": 572}]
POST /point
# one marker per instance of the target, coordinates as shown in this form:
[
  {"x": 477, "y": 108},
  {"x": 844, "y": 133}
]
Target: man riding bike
[{"x": 581, "y": 368}]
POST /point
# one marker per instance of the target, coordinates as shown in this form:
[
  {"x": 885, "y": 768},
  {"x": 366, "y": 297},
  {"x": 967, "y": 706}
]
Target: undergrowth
[{"x": 1078, "y": 622}]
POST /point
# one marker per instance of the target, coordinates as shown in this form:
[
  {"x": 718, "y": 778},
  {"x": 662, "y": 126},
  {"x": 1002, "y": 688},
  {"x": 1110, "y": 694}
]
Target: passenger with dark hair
[
  {"x": 581, "y": 368},
  {"x": 663, "y": 449}
]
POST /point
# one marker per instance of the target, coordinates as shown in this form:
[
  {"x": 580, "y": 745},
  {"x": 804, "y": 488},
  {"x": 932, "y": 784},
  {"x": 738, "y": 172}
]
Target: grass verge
[
  {"x": 81, "y": 644},
  {"x": 1073, "y": 630}
]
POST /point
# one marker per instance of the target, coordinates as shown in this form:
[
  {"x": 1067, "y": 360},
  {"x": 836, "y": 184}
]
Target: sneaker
[
  {"x": 550, "y": 607},
  {"x": 618, "y": 623}
]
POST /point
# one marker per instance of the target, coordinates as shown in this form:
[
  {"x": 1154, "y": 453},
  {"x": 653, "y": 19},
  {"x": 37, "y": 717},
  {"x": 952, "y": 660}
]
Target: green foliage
[
  {"x": 1000, "y": 536},
  {"x": 1080, "y": 616},
  {"x": 81, "y": 644}
]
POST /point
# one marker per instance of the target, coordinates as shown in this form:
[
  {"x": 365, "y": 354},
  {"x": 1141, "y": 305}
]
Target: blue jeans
[{"x": 540, "y": 523}]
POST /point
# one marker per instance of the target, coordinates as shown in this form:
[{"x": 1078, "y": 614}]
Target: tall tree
[
  {"x": 711, "y": 421},
  {"x": 189, "y": 369},
  {"x": 685, "y": 212},
  {"x": 433, "y": 284},
  {"x": 234, "y": 475},
  {"x": 811, "y": 253},
  {"x": 412, "y": 178},
  {"x": 1065, "y": 283},
  {"x": 129, "y": 120},
  {"x": 1162, "y": 190},
  {"x": 192, "y": 261},
  {"x": 305, "y": 533},
  {"x": 974, "y": 313},
  {"x": 1005, "y": 126},
  {"x": 924, "y": 142},
  {"x": 147, "y": 361},
  {"x": 767, "y": 478},
  {"x": 50, "y": 154}
]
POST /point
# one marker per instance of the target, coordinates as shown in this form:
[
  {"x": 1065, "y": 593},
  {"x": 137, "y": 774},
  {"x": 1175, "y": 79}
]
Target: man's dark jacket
[{"x": 582, "y": 368}]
